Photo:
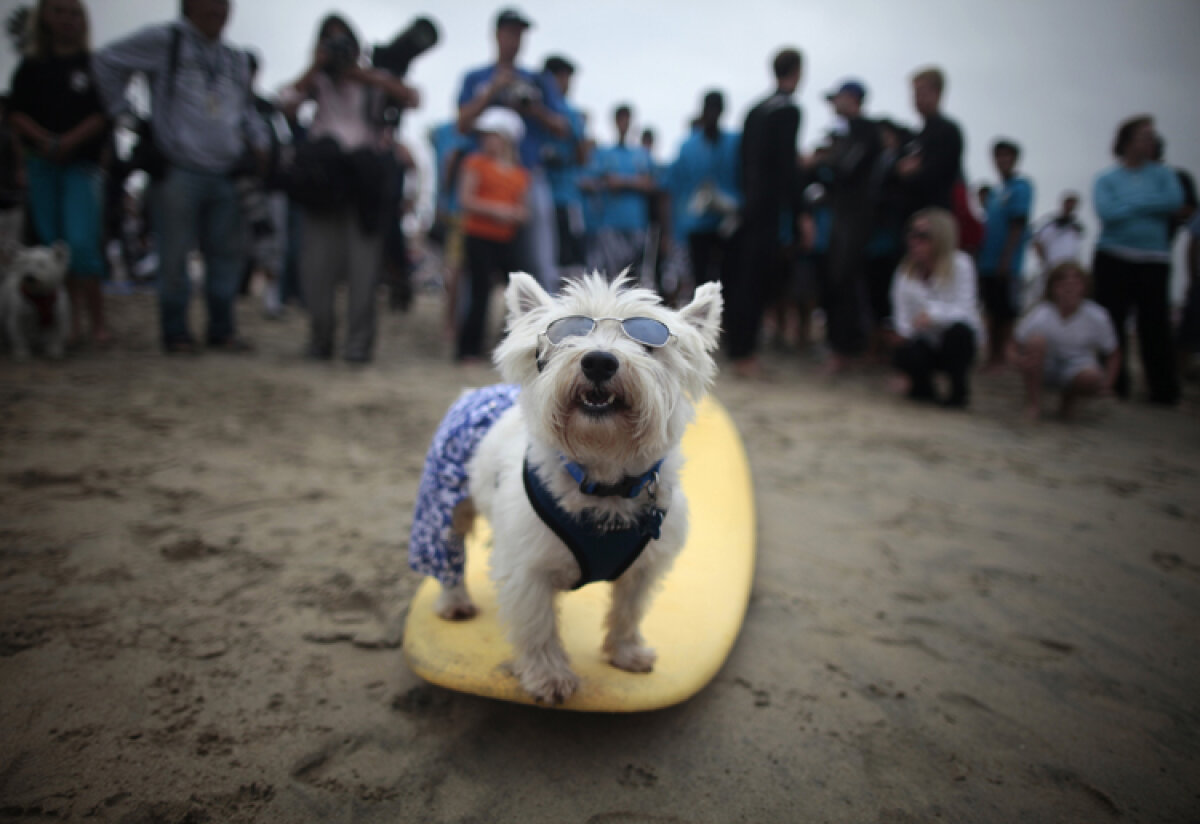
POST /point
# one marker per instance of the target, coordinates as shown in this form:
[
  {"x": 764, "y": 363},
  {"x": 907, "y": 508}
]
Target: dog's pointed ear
[
  {"x": 523, "y": 295},
  {"x": 704, "y": 313},
  {"x": 62, "y": 253}
]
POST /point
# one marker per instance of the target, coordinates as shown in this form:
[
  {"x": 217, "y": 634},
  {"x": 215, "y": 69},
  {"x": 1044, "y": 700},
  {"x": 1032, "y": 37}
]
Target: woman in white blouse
[{"x": 935, "y": 316}]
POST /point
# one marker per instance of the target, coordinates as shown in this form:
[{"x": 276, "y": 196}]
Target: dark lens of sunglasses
[
  {"x": 570, "y": 327},
  {"x": 647, "y": 330}
]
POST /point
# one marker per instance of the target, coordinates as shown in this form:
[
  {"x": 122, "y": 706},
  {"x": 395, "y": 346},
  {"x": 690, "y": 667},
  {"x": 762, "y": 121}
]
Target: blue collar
[
  {"x": 628, "y": 487},
  {"x": 602, "y": 555}
]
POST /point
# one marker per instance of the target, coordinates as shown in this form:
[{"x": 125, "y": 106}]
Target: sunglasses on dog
[{"x": 646, "y": 331}]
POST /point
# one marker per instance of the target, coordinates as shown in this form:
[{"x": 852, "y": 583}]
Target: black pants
[
  {"x": 952, "y": 353},
  {"x": 571, "y": 251},
  {"x": 844, "y": 293},
  {"x": 712, "y": 257},
  {"x": 753, "y": 284},
  {"x": 1122, "y": 286},
  {"x": 488, "y": 262},
  {"x": 880, "y": 271}
]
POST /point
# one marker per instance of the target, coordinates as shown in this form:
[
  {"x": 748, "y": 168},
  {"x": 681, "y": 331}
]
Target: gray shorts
[{"x": 1060, "y": 370}]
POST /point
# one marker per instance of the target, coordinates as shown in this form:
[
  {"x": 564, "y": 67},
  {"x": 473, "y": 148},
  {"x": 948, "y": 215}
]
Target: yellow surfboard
[{"x": 692, "y": 623}]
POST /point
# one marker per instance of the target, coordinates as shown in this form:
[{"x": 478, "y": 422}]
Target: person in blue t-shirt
[
  {"x": 1135, "y": 201},
  {"x": 449, "y": 148},
  {"x": 705, "y": 193},
  {"x": 536, "y": 98},
  {"x": 625, "y": 174},
  {"x": 1002, "y": 256},
  {"x": 563, "y": 158}
]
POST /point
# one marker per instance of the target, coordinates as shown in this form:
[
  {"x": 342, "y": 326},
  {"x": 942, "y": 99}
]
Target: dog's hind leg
[
  {"x": 455, "y": 604},
  {"x": 526, "y": 602},
  {"x": 623, "y": 644}
]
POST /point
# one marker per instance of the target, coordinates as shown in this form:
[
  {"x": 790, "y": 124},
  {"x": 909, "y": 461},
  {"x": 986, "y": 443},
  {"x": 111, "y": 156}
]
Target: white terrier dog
[
  {"x": 34, "y": 309},
  {"x": 579, "y": 477}
]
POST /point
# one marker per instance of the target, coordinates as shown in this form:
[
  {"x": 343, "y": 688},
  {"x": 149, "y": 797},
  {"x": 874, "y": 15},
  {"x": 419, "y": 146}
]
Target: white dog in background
[
  {"x": 34, "y": 309},
  {"x": 580, "y": 478}
]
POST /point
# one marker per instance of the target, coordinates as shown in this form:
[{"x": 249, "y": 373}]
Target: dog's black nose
[{"x": 599, "y": 366}]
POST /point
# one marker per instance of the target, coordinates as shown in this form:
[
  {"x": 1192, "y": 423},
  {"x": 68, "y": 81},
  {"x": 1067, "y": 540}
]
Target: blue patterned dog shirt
[{"x": 433, "y": 548}]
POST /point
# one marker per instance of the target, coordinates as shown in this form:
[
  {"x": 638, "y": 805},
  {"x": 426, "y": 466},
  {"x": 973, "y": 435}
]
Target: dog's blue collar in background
[
  {"x": 628, "y": 487},
  {"x": 602, "y": 555}
]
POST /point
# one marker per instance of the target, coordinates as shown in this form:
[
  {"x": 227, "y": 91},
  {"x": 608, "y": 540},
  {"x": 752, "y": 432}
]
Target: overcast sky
[{"x": 1055, "y": 75}]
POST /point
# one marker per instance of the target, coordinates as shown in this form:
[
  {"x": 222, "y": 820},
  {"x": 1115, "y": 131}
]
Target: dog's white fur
[
  {"x": 44, "y": 268},
  {"x": 656, "y": 391}
]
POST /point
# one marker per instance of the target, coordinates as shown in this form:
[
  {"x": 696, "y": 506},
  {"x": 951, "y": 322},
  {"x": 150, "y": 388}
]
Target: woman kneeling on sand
[
  {"x": 935, "y": 319},
  {"x": 1060, "y": 341}
]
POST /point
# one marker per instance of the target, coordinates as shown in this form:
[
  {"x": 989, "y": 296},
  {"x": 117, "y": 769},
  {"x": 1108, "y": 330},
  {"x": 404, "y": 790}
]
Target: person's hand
[
  {"x": 502, "y": 78},
  {"x": 808, "y": 232},
  {"x": 922, "y": 321},
  {"x": 908, "y": 165},
  {"x": 51, "y": 147}
]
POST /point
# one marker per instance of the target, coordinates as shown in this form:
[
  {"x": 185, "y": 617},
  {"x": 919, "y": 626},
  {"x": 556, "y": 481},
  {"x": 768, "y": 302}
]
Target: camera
[
  {"x": 395, "y": 57},
  {"x": 342, "y": 53},
  {"x": 519, "y": 94}
]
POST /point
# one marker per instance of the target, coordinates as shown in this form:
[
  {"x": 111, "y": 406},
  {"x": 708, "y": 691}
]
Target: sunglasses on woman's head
[{"x": 646, "y": 331}]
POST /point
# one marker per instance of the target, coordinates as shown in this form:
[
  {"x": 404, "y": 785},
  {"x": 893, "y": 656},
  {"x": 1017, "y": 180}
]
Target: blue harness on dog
[{"x": 602, "y": 554}]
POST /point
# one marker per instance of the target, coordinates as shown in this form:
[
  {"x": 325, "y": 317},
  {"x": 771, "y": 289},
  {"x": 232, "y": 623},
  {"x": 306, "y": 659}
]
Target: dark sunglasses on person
[
  {"x": 919, "y": 234},
  {"x": 646, "y": 331}
]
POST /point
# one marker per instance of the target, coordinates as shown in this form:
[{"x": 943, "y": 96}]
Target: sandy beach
[{"x": 956, "y": 616}]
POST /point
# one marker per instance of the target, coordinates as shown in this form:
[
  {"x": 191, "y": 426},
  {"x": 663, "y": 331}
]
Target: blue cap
[{"x": 852, "y": 87}]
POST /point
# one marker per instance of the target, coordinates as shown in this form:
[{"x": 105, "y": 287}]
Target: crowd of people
[{"x": 874, "y": 238}]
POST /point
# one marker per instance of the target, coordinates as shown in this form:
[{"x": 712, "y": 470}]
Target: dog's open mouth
[{"x": 598, "y": 401}]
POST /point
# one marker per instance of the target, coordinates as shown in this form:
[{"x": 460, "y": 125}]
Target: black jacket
[{"x": 768, "y": 155}]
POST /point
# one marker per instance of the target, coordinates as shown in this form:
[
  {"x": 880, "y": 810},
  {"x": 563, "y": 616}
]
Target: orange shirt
[{"x": 496, "y": 184}]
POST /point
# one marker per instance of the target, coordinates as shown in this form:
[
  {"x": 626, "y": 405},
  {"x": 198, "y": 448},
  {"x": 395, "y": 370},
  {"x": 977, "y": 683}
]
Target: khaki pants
[{"x": 333, "y": 246}]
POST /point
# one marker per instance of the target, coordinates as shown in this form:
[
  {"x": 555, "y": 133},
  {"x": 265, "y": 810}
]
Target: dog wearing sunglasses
[{"x": 575, "y": 463}]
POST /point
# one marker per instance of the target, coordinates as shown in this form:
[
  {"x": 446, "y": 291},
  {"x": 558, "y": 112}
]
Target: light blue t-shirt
[
  {"x": 536, "y": 135},
  {"x": 1013, "y": 201},
  {"x": 702, "y": 163},
  {"x": 1134, "y": 206},
  {"x": 560, "y": 159},
  {"x": 446, "y": 139},
  {"x": 623, "y": 209}
]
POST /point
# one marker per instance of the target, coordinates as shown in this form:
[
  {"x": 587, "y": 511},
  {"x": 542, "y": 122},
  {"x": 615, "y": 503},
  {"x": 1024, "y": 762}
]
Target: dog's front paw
[
  {"x": 632, "y": 657},
  {"x": 455, "y": 604},
  {"x": 548, "y": 686}
]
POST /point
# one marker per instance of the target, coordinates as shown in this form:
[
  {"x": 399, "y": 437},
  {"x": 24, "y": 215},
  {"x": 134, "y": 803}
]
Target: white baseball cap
[{"x": 501, "y": 121}]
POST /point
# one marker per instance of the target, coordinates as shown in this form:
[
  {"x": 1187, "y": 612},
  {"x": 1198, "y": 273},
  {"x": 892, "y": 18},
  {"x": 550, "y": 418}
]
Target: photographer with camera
[
  {"x": 341, "y": 181},
  {"x": 537, "y": 100}
]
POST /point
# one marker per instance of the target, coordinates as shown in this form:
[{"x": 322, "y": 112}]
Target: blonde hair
[
  {"x": 943, "y": 236},
  {"x": 1061, "y": 271},
  {"x": 39, "y": 42}
]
